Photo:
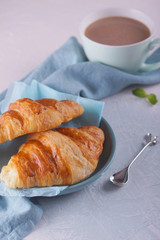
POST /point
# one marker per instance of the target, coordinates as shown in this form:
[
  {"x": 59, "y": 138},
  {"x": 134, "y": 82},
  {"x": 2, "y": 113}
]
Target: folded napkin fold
[
  {"x": 66, "y": 70},
  {"x": 18, "y": 216}
]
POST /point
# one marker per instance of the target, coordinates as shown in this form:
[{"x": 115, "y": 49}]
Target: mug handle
[{"x": 146, "y": 67}]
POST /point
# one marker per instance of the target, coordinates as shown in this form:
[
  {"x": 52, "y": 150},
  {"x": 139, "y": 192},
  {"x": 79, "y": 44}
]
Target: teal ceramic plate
[
  {"x": 103, "y": 164},
  {"x": 104, "y": 161}
]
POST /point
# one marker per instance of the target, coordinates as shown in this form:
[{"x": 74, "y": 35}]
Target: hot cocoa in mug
[{"x": 120, "y": 38}]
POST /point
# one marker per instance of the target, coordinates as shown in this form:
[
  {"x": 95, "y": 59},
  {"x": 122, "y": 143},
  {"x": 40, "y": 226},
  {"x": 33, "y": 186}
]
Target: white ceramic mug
[{"x": 130, "y": 58}]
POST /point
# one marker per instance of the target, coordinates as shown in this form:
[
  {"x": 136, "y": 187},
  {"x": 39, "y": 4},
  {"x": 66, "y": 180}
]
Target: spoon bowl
[{"x": 120, "y": 178}]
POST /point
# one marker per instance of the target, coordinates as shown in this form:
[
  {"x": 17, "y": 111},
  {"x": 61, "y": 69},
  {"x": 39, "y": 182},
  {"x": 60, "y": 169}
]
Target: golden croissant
[
  {"x": 63, "y": 156},
  {"x": 28, "y": 116}
]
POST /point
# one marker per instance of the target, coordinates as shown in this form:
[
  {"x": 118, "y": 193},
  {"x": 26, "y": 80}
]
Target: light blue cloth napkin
[
  {"x": 66, "y": 70},
  {"x": 18, "y": 215}
]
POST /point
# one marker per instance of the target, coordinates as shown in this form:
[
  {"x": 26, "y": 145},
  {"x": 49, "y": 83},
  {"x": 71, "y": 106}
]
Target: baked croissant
[
  {"x": 28, "y": 116},
  {"x": 61, "y": 157}
]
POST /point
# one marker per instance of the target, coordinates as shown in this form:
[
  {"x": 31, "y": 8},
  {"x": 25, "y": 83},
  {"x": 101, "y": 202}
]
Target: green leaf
[
  {"x": 152, "y": 98},
  {"x": 139, "y": 92}
]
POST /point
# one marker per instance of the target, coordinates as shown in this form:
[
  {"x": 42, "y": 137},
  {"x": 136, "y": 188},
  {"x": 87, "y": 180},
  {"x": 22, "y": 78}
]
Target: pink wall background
[{"x": 31, "y": 30}]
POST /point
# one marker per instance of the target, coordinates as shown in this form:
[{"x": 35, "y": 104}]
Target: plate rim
[{"x": 78, "y": 186}]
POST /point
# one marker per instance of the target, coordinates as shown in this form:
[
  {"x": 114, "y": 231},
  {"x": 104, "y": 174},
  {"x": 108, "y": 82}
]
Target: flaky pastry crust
[{"x": 28, "y": 116}]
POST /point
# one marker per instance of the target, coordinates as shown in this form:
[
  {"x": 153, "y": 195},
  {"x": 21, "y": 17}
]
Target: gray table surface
[{"x": 102, "y": 210}]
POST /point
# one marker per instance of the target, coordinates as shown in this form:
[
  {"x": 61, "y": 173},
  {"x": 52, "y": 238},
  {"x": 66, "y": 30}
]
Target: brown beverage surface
[{"x": 117, "y": 31}]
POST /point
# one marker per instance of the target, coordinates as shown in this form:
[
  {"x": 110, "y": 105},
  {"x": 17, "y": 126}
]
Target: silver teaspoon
[{"x": 121, "y": 177}]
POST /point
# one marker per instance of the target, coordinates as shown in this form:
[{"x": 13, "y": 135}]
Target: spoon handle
[
  {"x": 147, "y": 144},
  {"x": 152, "y": 140}
]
